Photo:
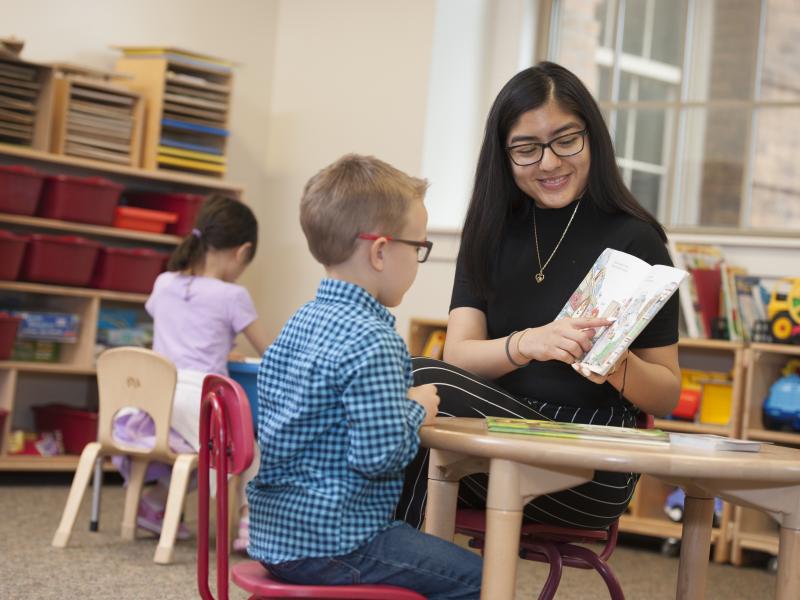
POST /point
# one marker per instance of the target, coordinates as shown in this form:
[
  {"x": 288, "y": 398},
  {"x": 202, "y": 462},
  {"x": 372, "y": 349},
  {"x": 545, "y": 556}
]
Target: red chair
[
  {"x": 226, "y": 432},
  {"x": 558, "y": 546}
]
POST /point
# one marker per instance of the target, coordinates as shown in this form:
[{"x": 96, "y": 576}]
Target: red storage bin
[
  {"x": 77, "y": 427},
  {"x": 19, "y": 189},
  {"x": 185, "y": 206},
  {"x": 8, "y": 332},
  {"x": 143, "y": 219},
  {"x": 67, "y": 260},
  {"x": 12, "y": 249},
  {"x": 83, "y": 199},
  {"x": 127, "y": 269}
]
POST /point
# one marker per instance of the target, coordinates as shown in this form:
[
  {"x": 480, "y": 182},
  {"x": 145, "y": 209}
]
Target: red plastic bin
[
  {"x": 19, "y": 189},
  {"x": 8, "y": 332},
  {"x": 12, "y": 249},
  {"x": 83, "y": 199},
  {"x": 77, "y": 427},
  {"x": 127, "y": 269},
  {"x": 143, "y": 219},
  {"x": 67, "y": 260},
  {"x": 186, "y": 206}
]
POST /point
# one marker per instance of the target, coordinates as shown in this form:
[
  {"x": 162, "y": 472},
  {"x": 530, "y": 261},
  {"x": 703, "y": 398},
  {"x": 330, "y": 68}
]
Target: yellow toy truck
[{"x": 783, "y": 310}]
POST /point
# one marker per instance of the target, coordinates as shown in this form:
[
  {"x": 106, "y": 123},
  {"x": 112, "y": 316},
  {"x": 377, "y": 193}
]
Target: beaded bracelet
[{"x": 508, "y": 352}]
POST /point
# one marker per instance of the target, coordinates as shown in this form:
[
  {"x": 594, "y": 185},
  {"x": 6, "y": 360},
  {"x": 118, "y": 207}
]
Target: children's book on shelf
[
  {"x": 623, "y": 288},
  {"x": 581, "y": 431},
  {"x": 703, "y": 441},
  {"x": 701, "y": 292}
]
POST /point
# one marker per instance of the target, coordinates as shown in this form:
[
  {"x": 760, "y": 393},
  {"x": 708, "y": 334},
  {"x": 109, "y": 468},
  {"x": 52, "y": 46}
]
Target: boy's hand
[{"x": 428, "y": 397}]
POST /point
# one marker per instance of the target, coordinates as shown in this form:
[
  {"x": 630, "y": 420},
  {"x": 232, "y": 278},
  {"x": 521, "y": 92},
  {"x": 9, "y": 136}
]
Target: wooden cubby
[
  {"x": 26, "y": 103},
  {"x": 188, "y": 106},
  {"x": 96, "y": 119},
  {"x": 754, "y": 530},
  {"x": 75, "y": 370}
]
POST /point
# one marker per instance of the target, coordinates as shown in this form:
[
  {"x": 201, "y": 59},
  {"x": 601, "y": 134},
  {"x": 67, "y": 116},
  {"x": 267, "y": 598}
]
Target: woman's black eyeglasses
[
  {"x": 530, "y": 153},
  {"x": 423, "y": 248}
]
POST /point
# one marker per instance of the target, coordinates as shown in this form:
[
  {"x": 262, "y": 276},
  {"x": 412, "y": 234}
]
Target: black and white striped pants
[{"x": 592, "y": 505}]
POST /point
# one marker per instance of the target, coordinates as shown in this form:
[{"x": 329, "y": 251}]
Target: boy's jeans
[{"x": 400, "y": 556}]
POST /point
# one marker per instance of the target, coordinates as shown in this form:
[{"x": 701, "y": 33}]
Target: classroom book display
[
  {"x": 188, "y": 104},
  {"x": 25, "y": 102}
]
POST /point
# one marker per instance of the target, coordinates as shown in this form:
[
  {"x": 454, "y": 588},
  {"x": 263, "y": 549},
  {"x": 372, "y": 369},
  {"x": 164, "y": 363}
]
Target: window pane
[
  {"x": 667, "y": 32},
  {"x": 776, "y": 170},
  {"x": 723, "y": 49},
  {"x": 647, "y": 189},
  {"x": 780, "y": 71},
  {"x": 642, "y": 135},
  {"x": 635, "y": 27},
  {"x": 604, "y": 14},
  {"x": 580, "y": 31},
  {"x": 709, "y": 189},
  {"x": 636, "y": 87}
]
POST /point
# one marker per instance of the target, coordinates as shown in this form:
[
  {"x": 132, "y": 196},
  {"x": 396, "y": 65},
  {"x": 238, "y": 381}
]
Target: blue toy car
[
  {"x": 782, "y": 406},
  {"x": 674, "y": 507}
]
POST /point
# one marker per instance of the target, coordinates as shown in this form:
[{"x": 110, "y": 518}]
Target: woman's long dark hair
[
  {"x": 222, "y": 223},
  {"x": 495, "y": 195}
]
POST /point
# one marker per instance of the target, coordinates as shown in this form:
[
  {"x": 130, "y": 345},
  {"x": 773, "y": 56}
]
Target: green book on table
[{"x": 601, "y": 433}]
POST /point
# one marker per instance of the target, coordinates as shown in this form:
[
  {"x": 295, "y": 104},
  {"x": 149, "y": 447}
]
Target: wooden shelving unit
[
  {"x": 77, "y": 361},
  {"x": 754, "y": 530}
]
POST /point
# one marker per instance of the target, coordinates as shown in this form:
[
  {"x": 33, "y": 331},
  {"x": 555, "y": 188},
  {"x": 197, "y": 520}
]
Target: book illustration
[
  {"x": 583, "y": 431},
  {"x": 624, "y": 288}
]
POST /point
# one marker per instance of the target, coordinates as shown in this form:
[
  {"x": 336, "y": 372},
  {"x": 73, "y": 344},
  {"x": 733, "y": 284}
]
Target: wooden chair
[
  {"x": 227, "y": 445},
  {"x": 137, "y": 378}
]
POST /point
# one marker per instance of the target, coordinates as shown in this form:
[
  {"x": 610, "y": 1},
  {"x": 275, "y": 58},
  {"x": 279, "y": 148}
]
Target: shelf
[
  {"x": 657, "y": 527},
  {"x": 690, "y": 427},
  {"x": 709, "y": 344},
  {"x": 73, "y": 227},
  {"x": 780, "y": 437},
  {"x": 45, "y": 367},
  {"x": 26, "y": 462},
  {"x": 59, "y": 290},
  {"x": 763, "y": 542},
  {"x": 777, "y": 348},
  {"x": 175, "y": 177}
]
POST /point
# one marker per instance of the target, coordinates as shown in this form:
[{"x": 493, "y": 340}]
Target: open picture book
[{"x": 624, "y": 288}]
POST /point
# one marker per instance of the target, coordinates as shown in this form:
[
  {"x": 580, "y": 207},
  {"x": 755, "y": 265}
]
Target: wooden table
[{"x": 522, "y": 467}]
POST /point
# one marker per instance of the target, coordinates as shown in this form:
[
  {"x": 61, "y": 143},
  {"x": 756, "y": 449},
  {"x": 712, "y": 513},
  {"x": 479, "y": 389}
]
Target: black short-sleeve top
[{"x": 516, "y": 301}]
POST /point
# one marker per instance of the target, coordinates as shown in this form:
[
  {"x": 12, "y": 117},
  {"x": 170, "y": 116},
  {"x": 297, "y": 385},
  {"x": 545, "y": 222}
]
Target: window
[{"x": 703, "y": 101}]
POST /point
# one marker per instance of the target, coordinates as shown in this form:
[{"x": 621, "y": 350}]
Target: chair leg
[
  {"x": 97, "y": 486},
  {"x": 602, "y": 567},
  {"x": 132, "y": 496},
  {"x": 233, "y": 509},
  {"x": 76, "y": 491},
  {"x": 550, "y": 586},
  {"x": 179, "y": 483}
]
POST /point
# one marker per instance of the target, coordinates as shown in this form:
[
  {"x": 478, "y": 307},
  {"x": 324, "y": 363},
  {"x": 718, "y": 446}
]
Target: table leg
[
  {"x": 788, "y": 582},
  {"x": 440, "y": 510},
  {"x": 695, "y": 546}
]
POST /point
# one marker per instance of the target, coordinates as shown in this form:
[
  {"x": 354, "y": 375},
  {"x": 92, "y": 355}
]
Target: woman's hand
[
  {"x": 597, "y": 378},
  {"x": 566, "y": 340}
]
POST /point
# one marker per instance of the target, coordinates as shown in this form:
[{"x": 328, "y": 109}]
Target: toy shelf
[
  {"x": 754, "y": 530},
  {"x": 24, "y": 384}
]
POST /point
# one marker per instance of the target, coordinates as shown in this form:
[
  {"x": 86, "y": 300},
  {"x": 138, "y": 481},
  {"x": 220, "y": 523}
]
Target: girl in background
[{"x": 197, "y": 310}]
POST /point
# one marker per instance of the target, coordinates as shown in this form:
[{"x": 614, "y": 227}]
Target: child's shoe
[
  {"x": 152, "y": 519},
  {"x": 243, "y": 538}
]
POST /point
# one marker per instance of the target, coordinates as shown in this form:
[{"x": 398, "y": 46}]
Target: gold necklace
[{"x": 540, "y": 275}]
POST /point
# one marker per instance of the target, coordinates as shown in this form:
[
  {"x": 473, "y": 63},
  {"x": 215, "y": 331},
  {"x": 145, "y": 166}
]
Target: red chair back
[{"x": 227, "y": 445}]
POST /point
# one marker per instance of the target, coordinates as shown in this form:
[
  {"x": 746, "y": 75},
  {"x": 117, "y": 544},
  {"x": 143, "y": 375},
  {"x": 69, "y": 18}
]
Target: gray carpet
[{"x": 101, "y": 565}]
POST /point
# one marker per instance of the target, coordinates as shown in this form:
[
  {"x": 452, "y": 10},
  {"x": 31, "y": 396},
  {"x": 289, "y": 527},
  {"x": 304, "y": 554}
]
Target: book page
[
  {"x": 651, "y": 293},
  {"x": 607, "y": 286}
]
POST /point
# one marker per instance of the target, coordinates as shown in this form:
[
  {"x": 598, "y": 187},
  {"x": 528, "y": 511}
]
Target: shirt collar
[{"x": 336, "y": 290}]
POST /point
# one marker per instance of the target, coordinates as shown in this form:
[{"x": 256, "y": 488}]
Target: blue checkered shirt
[{"x": 336, "y": 428}]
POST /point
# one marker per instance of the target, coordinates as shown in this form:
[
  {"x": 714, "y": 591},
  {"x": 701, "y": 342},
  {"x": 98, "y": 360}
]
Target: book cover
[
  {"x": 582, "y": 431},
  {"x": 625, "y": 288}
]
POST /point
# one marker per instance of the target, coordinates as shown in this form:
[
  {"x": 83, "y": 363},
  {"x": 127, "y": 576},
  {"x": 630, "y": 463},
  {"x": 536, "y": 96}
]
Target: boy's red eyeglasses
[{"x": 423, "y": 248}]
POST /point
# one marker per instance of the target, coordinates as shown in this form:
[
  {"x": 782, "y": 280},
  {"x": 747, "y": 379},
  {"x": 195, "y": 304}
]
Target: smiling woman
[{"x": 547, "y": 200}]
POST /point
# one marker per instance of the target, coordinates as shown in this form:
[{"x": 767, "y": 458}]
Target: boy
[{"x": 338, "y": 418}]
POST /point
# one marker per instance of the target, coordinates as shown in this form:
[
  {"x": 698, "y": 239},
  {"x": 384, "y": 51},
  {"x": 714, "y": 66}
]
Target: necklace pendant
[{"x": 539, "y": 277}]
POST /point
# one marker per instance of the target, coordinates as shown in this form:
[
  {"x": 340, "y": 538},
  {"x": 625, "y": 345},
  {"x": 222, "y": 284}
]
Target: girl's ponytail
[{"x": 222, "y": 223}]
